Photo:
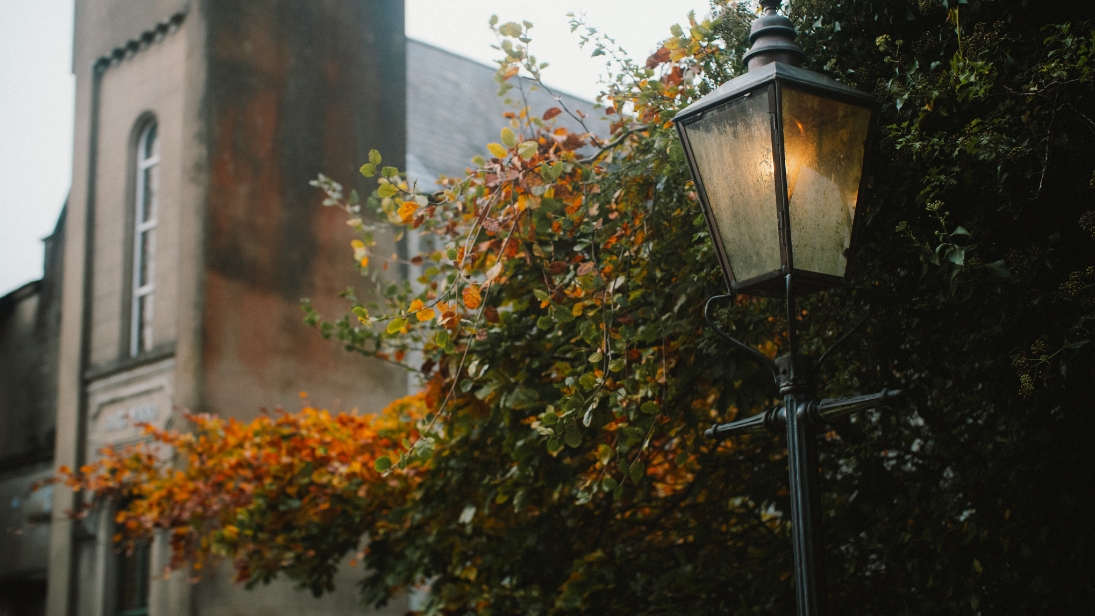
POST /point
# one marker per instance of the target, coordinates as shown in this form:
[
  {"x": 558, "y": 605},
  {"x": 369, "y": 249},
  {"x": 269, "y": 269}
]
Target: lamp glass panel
[
  {"x": 824, "y": 143},
  {"x": 732, "y": 149}
]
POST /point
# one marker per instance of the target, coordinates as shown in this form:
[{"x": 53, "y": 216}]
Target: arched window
[{"x": 144, "y": 240}]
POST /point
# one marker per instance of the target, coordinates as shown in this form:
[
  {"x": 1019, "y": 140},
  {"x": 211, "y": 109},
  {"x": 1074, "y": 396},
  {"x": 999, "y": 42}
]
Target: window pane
[
  {"x": 825, "y": 142},
  {"x": 151, "y": 145},
  {"x": 143, "y": 323},
  {"x": 732, "y": 147},
  {"x": 133, "y": 577},
  {"x": 150, "y": 192},
  {"x": 145, "y": 255}
]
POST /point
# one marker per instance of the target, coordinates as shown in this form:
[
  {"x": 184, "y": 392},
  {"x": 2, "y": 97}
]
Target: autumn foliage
[
  {"x": 556, "y": 462},
  {"x": 267, "y": 495}
]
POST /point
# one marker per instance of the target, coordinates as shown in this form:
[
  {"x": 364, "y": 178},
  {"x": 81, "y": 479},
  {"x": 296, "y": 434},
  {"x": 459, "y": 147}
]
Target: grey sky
[{"x": 37, "y": 87}]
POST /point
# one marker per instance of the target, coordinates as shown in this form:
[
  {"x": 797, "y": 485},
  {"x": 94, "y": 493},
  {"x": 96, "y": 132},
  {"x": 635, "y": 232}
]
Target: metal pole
[
  {"x": 802, "y": 465},
  {"x": 798, "y": 383}
]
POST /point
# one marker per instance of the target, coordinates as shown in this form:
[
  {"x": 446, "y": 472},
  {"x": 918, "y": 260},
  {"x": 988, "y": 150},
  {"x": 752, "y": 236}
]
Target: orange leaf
[
  {"x": 551, "y": 113},
  {"x": 472, "y": 298},
  {"x": 659, "y": 57}
]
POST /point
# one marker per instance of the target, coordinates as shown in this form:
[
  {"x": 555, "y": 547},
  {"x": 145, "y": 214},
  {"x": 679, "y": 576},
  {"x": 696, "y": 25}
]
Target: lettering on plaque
[{"x": 126, "y": 418}]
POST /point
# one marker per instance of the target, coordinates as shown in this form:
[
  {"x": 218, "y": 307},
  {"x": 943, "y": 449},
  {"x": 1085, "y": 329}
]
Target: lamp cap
[{"x": 773, "y": 38}]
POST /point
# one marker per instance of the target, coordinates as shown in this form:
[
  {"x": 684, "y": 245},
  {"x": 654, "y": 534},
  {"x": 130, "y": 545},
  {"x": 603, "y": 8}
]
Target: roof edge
[{"x": 142, "y": 41}]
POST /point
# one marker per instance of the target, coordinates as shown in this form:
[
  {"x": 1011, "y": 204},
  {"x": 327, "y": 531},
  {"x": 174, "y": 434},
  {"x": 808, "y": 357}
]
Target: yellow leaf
[
  {"x": 497, "y": 149},
  {"x": 407, "y": 210},
  {"x": 577, "y": 311},
  {"x": 425, "y": 315},
  {"x": 360, "y": 252}
]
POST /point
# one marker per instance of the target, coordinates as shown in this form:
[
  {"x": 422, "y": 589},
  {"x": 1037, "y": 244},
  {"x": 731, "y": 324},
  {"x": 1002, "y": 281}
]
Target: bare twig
[
  {"x": 1090, "y": 123},
  {"x": 1049, "y": 141},
  {"x": 627, "y": 132}
]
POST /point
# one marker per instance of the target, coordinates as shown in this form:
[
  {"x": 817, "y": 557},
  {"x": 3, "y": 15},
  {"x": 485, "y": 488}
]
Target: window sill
[{"x": 128, "y": 363}]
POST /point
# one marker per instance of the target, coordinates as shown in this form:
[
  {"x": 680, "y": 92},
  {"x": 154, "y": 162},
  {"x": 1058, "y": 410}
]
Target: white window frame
[{"x": 141, "y": 227}]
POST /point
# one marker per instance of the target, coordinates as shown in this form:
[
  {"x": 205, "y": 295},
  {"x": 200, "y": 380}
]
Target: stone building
[{"x": 190, "y": 234}]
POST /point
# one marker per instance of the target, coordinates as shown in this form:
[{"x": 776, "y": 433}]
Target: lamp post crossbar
[{"x": 818, "y": 413}]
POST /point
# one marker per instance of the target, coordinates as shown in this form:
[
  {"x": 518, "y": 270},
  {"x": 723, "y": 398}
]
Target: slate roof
[{"x": 453, "y": 111}]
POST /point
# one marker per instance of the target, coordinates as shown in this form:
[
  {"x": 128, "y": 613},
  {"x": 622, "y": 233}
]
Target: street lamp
[{"x": 779, "y": 158}]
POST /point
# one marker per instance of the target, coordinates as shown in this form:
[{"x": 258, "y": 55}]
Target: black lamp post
[{"x": 779, "y": 158}]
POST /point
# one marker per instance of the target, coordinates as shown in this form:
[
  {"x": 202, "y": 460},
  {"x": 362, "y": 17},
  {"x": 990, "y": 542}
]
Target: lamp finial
[{"x": 773, "y": 39}]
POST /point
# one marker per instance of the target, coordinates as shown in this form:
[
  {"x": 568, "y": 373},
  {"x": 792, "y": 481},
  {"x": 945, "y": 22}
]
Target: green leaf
[
  {"x": 467, "y": 514},
  {"x": 637, "y": 471},
  {"x": 563, "y": 315},
  {"x": 649, "y": 407},
  {"x": 509, "y": 137},
  {"x": 389, "y": 172},
  {"x": 527, "y": 149},
  {"x": 617, "y": 364},
  {"x": 574, "y": 436},
  {"x": 441, "y": 338},
  {"x": 387, "y": 190},
  {"x": 545, "y": 323},
  {"x": 588, "y": 381},
  {"x": 374, "y": 157},
  {"x": 609, "y": 484},
  {"x": 554, "y": 445},
  {"x": 396, "y": 324},
  {"x": 549, "y": 418},
  {"x": 510, "y": 29},
  {"x": 998, "y": 269},
  {"x": 478, "y": 161},
  {"x": 382, "y": 463},
  {"x": 368, "y": 169},
  {"x": 596, "y": 358}
]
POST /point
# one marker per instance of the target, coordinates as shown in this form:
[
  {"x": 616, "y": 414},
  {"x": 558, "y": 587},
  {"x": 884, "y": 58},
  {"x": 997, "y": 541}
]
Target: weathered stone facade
[{"x": 245, "y": 101}]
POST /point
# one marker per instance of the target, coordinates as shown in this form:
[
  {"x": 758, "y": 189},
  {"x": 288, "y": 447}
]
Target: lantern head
[{"x": 779, "y": 159}]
